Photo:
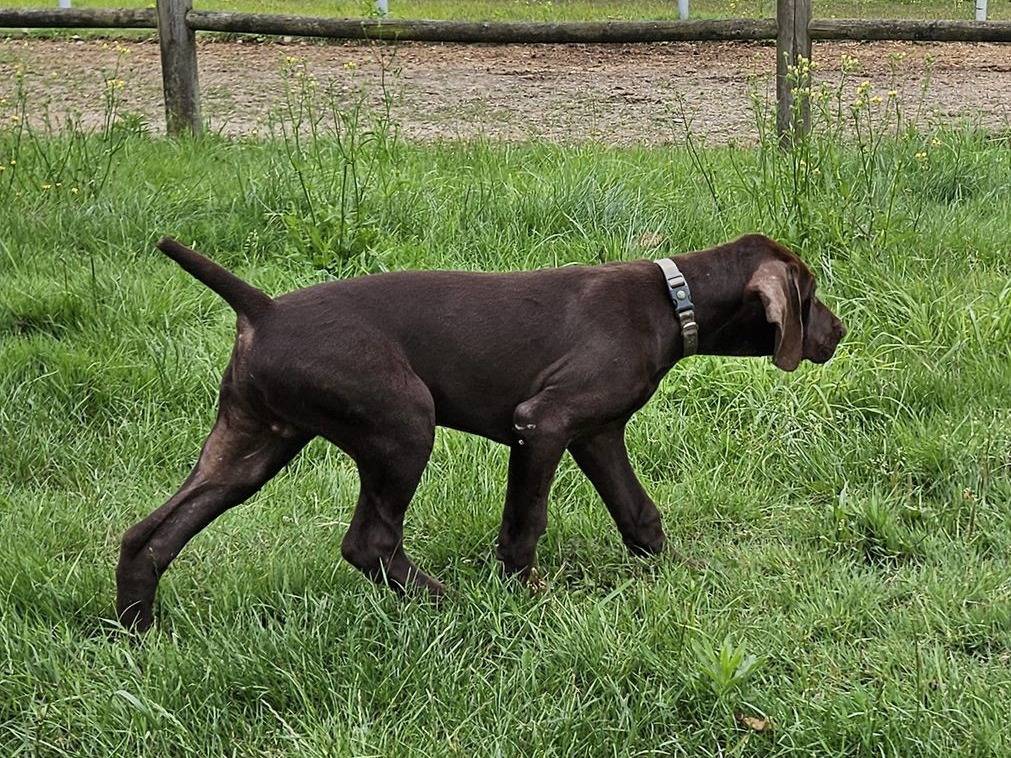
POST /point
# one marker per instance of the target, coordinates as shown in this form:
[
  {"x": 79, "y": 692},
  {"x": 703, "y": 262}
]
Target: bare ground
[{"x": 565, "y": 93}]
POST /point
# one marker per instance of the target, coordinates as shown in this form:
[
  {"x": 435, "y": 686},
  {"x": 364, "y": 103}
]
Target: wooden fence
[{"x": 793, "y": 29}]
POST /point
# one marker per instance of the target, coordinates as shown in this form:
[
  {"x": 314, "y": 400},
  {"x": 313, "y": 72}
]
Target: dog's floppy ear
[{"x": 775, "y": 282}]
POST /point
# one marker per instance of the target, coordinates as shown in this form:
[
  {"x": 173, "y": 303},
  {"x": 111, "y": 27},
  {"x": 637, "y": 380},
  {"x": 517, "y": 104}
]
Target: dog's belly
[
  {"x": 473, "y": 398},
  {"x": 482, "y": 396},
  {"x": 492, "y": 423}
]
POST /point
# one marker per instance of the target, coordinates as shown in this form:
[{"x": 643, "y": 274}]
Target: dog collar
[{"x": 681, "y": 297}]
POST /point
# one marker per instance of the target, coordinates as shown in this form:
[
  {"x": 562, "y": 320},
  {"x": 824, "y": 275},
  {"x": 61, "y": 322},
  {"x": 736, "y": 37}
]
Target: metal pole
[
  {"x": 683, "y": 9},
  {"x": 383, "y": 7},
  {"x": 981, "y": 10}
]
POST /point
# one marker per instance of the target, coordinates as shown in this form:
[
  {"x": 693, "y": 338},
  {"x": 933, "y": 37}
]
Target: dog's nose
[{"x": 840, "y": 329}]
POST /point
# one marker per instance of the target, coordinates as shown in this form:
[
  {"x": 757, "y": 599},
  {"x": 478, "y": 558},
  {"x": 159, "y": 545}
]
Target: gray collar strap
[{"x": 681, "y": 297}]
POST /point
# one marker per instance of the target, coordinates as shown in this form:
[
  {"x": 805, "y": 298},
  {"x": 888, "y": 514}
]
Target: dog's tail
[{"x": 244, "y": 298}]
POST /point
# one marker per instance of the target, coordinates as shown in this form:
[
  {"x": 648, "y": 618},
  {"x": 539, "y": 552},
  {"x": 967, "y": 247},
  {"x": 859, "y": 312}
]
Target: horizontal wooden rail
[
  {"x": 481, "y": 31},
  {"x": 77, "y": 18},
  {"x": 919, "y": 31},
  {"x": 518, "y": 32},
  {"x": 793, "y": 30}
]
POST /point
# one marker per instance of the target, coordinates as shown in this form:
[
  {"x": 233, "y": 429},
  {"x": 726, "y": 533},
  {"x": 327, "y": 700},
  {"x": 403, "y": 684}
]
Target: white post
[
  {"x": 683, "y": 9},
  {"x": 383, "y": 7},
  {"x": 66, "y": 3},
  {"x": 981, "y": 10}
]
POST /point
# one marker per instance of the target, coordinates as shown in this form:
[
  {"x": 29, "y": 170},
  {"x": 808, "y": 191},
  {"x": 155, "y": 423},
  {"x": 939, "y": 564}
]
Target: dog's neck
[{"x": 723, "y": 312}]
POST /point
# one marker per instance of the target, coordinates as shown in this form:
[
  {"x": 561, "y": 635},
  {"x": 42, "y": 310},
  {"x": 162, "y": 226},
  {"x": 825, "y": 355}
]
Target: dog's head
[{"x": 800, "y": 325}]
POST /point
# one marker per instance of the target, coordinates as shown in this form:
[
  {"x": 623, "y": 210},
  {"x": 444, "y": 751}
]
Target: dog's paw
[{"x": 646, "y": 547}]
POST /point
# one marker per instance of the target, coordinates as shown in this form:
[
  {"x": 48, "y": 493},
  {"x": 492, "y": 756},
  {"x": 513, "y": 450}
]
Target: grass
[
  {"x": 575, "y": 10},
  {"x": 839, "y": 579}
]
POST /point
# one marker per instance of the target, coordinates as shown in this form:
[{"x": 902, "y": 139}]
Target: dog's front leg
[
  {"x": 603, "y": 457},
  {"x": 541, "y": 442}
]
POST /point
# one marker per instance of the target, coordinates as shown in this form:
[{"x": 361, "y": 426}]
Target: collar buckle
[{"x": 681, "y": 297}]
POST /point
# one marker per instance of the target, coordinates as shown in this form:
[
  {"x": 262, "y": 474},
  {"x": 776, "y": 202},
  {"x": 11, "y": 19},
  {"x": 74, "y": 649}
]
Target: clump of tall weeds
[
  {"x": 43, "y": 157},
  {"x": 337, "y": 147},
  {"x": 839, "y": 179}
]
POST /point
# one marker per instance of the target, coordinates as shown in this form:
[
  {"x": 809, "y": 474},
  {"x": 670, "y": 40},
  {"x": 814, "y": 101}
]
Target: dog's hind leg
[
  {"x": 391, "y": 450},
  {"x": 603, "y": 457},
  {"x": 239, "y": 456}
]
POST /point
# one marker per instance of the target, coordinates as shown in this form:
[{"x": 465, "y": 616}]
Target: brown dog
[{"x": 542, "y": 361}]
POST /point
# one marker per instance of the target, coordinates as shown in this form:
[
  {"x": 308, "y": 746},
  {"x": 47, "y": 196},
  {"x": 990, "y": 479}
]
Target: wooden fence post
[
  {"x": 793, "y": 42},
  {"x": 179, "y": 68}
]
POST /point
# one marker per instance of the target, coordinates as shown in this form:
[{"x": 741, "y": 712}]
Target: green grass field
[
  {"x": 572, "y": 10},
  {"x": 839, "y": 564}
]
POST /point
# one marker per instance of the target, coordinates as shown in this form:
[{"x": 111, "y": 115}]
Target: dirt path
[{"x": 616, "y": 93}]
